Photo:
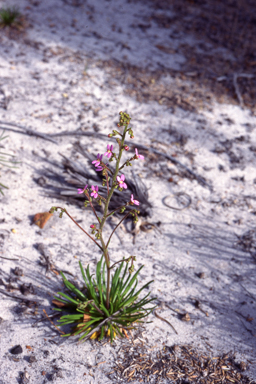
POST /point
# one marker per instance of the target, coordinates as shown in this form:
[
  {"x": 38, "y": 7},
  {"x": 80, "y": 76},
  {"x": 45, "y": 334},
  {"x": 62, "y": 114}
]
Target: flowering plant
[{"x": 109, "y": 304}]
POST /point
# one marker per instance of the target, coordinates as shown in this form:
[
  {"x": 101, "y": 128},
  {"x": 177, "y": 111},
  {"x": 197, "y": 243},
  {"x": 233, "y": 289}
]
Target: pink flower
[
  {"x": 82, "y": 190},
  {"x": 136, "y": 202},
  {"x": 121, "y": 182},
  {"x": 137, "y": 155},
  {"x": 98, "y": 169},
  {"x": 109, "y": 151},
  {"x": 97, "y": 161},
  {"x": 92, "y": 226},
  {"x": 94, "y": 191}
]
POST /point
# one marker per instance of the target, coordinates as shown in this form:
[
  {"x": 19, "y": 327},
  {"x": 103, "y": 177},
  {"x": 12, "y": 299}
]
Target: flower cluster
[{"x": 120, "y": 180}]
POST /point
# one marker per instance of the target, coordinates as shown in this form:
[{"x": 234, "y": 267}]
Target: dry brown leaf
[
  {"x": 86, "y": 317},
  {"x": 58, "y": 303},
  {"x": 40, "y": 219}
]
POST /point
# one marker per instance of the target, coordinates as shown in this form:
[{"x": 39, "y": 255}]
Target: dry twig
[{"x": 161, "y": 318}]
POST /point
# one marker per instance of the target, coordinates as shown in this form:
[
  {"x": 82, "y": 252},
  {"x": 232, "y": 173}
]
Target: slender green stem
[
  {"x": 131, "y": 159},
  {"x": 115, "y": 210},
  {"x": 79, "y": 226},
  {"x": 105, "y": 213},
  {"x": 107, "y": 182},
  {"x": 108, "y": 286},
  {"x": 91, "y": 204},
  {"x": 127, "y": 214},
  {"x": 120, "y": 261},
  {"x": 97, "y": 309}
]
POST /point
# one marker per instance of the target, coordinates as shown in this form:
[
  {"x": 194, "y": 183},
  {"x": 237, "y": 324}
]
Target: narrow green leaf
[
  {"x": 68, "y": 298},
  {"x": 83, "y": 274},
  {"x": 131, "y": 282},
  {"x": 118, "y": 331},
  {"x": 98, "y": 276},
  {"x": 104, "y": 309},
  {"x": 102, "y": 334},
  {"x": 72, "y": 317},
  {"x": 73, "y": 289}
]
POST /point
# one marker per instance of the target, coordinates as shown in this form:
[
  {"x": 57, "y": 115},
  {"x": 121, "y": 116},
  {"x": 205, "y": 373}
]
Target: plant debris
[{"x": 177, "y": 364}]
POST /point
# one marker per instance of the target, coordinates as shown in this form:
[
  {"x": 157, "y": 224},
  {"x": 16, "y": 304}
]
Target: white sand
[{"x": 44, "y": 76}]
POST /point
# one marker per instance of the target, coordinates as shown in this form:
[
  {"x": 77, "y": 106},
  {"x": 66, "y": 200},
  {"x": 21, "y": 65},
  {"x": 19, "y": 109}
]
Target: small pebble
[
  {"x": 185, "y": 317},
  {"x": 24, "y": 377},
  {"x": 46, "y": 353},
  {"x": 16, "y": 350},
  {"x": 18, "y": 271},
  {"x": 201, "y": 275},
  {"x": 32, "y": 359},
  {"x": 243, "y": 366},
  {"x": 27, "y": 289}
]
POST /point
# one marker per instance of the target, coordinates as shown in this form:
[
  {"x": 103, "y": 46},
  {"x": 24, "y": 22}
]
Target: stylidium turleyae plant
[{"x": 109, "y": 304}]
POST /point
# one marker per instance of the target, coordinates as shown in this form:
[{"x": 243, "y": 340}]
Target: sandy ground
[{"x": 54, "y": 78}]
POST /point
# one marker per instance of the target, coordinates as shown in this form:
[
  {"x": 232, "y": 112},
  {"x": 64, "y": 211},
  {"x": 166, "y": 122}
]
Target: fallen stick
[
  {"x": 44, "y": 311},
  {"x": 45, "y": 318},
  {"x": 161, "y": 318},
  {"x": 7, "y": 258}
]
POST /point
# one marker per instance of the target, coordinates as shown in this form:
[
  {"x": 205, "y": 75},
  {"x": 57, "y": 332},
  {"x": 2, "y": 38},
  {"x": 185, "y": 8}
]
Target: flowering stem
[
  {"x": 91, "y": 204},
  {"x": 117, "y": 227},
  {"x": 107, "y": 181},
  {"x": 120, "y": 261},
  {"x": 64, "y": 210},
  {"x": 128, "y": 161},
  {"x": 115, "y": 210},
  {"x": 105, "y": 213}
]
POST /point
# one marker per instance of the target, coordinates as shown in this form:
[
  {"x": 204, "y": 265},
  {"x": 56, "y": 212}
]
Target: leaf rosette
[{"x": 86, "y": 310}]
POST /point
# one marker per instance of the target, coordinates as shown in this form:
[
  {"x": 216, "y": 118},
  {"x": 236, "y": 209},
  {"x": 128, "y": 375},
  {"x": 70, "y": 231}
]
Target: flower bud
[
  {"x": 126, "y": 147},
  {"x": 92, "y": 226},
  {"x": 110, "y": 135}
]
